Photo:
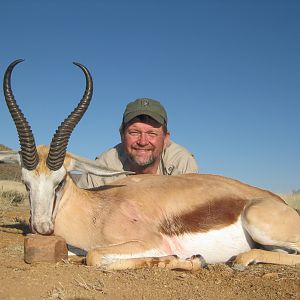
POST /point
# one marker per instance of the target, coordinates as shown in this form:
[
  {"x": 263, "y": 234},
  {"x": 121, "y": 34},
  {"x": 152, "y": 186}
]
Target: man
[{"x": 145, "y": 146}]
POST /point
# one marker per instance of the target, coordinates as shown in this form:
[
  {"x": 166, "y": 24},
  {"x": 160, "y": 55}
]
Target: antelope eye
[{"x": 60, "y": 185}]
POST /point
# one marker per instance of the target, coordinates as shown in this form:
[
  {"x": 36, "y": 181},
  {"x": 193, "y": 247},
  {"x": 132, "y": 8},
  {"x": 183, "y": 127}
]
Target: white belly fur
[{"x": 215, "y": 245}]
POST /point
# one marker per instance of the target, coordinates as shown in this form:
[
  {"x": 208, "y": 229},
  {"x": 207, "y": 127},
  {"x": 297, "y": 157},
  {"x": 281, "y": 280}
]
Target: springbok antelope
[{"x": 175, "y": 222}]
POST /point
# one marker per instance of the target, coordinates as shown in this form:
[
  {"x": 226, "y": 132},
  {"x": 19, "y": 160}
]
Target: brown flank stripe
[{"x": 213, "y": 215}]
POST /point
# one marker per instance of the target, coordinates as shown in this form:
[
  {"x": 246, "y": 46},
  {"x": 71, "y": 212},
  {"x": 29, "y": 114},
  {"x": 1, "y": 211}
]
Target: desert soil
[{"x": 66, "y": 280}]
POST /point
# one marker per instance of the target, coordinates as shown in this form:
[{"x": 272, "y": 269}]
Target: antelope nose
[{"x": 44, "y": 228}]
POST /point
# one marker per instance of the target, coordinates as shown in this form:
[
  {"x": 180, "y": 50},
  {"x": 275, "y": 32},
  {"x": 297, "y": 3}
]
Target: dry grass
[
  {"x": 10, "y": 185},
  {"x": 90, "y": 286},
  {"x": 293, "y": 200},
  {"x": 13, "y": 197},
  {"x": 10, "y": 172},
  {"x": 12, "y": 193}
]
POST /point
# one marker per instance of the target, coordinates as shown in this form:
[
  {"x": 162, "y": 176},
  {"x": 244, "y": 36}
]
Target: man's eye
[
  {"x": 152, "y": 134},
  {"x": 134, "y": 133}
]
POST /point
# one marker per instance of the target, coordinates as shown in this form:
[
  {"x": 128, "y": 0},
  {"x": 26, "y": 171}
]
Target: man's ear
[{"x": 167, "y": 139}]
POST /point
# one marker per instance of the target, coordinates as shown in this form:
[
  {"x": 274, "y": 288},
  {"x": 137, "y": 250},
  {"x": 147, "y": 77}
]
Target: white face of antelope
[{"x": 45, "y": 191}]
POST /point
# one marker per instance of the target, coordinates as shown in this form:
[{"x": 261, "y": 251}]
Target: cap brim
[{"x": 158, "y": 118}]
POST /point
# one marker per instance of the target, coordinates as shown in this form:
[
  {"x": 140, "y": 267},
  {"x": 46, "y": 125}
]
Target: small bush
[
  {"x": 293, "y": 200},
  {"x": 13, "y": 197}
]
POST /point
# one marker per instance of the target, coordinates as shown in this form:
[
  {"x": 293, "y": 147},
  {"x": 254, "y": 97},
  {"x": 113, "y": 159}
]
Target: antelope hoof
[
  {"x": 198, "y": 262},
  {"x": 243, "y": 260},
  {"x": 78, "y": 260}
]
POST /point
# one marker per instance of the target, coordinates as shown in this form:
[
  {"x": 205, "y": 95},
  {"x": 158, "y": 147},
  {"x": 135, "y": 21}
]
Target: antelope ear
[
  {"x": 10, "y": 157},
  {"x": 84, "y": 165}
]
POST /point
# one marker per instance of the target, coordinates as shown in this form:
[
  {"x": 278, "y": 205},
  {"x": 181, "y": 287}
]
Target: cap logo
[{"x": 145, "y": 102}]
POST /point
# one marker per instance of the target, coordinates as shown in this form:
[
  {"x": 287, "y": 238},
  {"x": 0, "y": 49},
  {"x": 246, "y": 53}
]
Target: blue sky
[{"x": 227, "y": 72}]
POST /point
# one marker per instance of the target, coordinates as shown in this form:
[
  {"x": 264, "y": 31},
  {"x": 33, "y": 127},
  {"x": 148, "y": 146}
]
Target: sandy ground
[
  {"x": 10, "y": 185},
  {"x": 66, "y": 280}
]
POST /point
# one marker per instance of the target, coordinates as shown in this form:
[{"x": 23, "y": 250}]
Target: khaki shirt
[{"x": 175, "y": 160}]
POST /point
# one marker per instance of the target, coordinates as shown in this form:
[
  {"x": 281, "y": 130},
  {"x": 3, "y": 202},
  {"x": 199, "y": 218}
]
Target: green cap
[{"x": 145, "y": 106}]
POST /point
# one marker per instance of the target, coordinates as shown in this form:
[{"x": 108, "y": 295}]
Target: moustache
[{"x": 143, "y": 148}]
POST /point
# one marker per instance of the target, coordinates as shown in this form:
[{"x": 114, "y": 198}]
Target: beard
[{"x": 142, "y": 162}]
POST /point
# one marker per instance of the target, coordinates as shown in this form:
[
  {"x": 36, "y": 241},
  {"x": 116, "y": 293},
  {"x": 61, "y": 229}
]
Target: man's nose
[{"x": 143, "y": 138}]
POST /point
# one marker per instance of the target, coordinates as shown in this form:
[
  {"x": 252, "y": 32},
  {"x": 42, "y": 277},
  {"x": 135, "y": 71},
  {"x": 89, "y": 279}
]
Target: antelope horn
[
  {"x": 59, "y": 143},
  {"x": 29, "y": 154}
]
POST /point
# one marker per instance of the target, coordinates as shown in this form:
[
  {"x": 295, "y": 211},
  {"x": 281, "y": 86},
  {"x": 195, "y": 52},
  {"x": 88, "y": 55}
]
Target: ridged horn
[
  {"x": 59, "y": 143},
  {"x": 30, "y": 157}
]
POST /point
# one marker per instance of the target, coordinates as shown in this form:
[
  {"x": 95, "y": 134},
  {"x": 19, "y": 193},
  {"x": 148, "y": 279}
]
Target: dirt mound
[{"x": 4, "y": 148}]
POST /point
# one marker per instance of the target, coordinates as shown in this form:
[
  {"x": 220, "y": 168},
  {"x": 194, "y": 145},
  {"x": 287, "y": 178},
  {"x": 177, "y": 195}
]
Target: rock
[{"x": 39, "y": 248}]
